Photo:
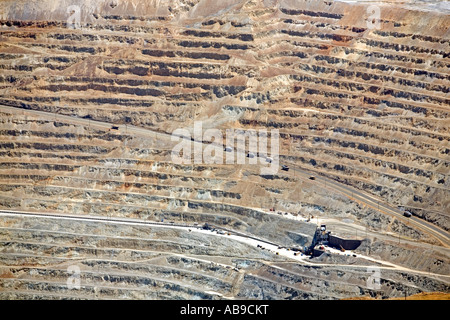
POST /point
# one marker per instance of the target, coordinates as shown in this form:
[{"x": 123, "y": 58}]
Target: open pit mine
[{"x": 128, "y": 168}]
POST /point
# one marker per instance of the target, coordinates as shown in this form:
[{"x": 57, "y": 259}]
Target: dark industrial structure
[{"x": 323, "y": 237}]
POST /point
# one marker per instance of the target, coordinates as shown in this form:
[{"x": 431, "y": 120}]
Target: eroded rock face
[
  {"x": 154, "y": 263},
  {"x": 367, "y": 107}
]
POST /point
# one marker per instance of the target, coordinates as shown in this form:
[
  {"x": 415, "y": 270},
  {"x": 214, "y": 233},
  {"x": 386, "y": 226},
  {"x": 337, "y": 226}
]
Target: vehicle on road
[
  {"x": 407, "y": 214},
  {"x": 312, "y": 178},
  {"x": 284, "y": 167}
]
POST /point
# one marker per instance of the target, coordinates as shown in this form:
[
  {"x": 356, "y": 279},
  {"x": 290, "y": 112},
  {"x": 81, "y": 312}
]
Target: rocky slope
[
  {"x": 365, "y": 107},
  {"x": 153, "y": 263}
]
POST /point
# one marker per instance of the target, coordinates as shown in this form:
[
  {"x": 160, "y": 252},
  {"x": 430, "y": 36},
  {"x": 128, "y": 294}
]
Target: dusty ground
[
  {"x": 418, "y": 296},
  {"x": 366, "y": 108}
]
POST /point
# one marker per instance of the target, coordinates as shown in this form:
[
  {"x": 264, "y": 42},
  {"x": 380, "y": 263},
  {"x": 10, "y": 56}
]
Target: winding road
[
  {"x": 238, "y": 236},
  {"x": 354, "y": 194}
]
